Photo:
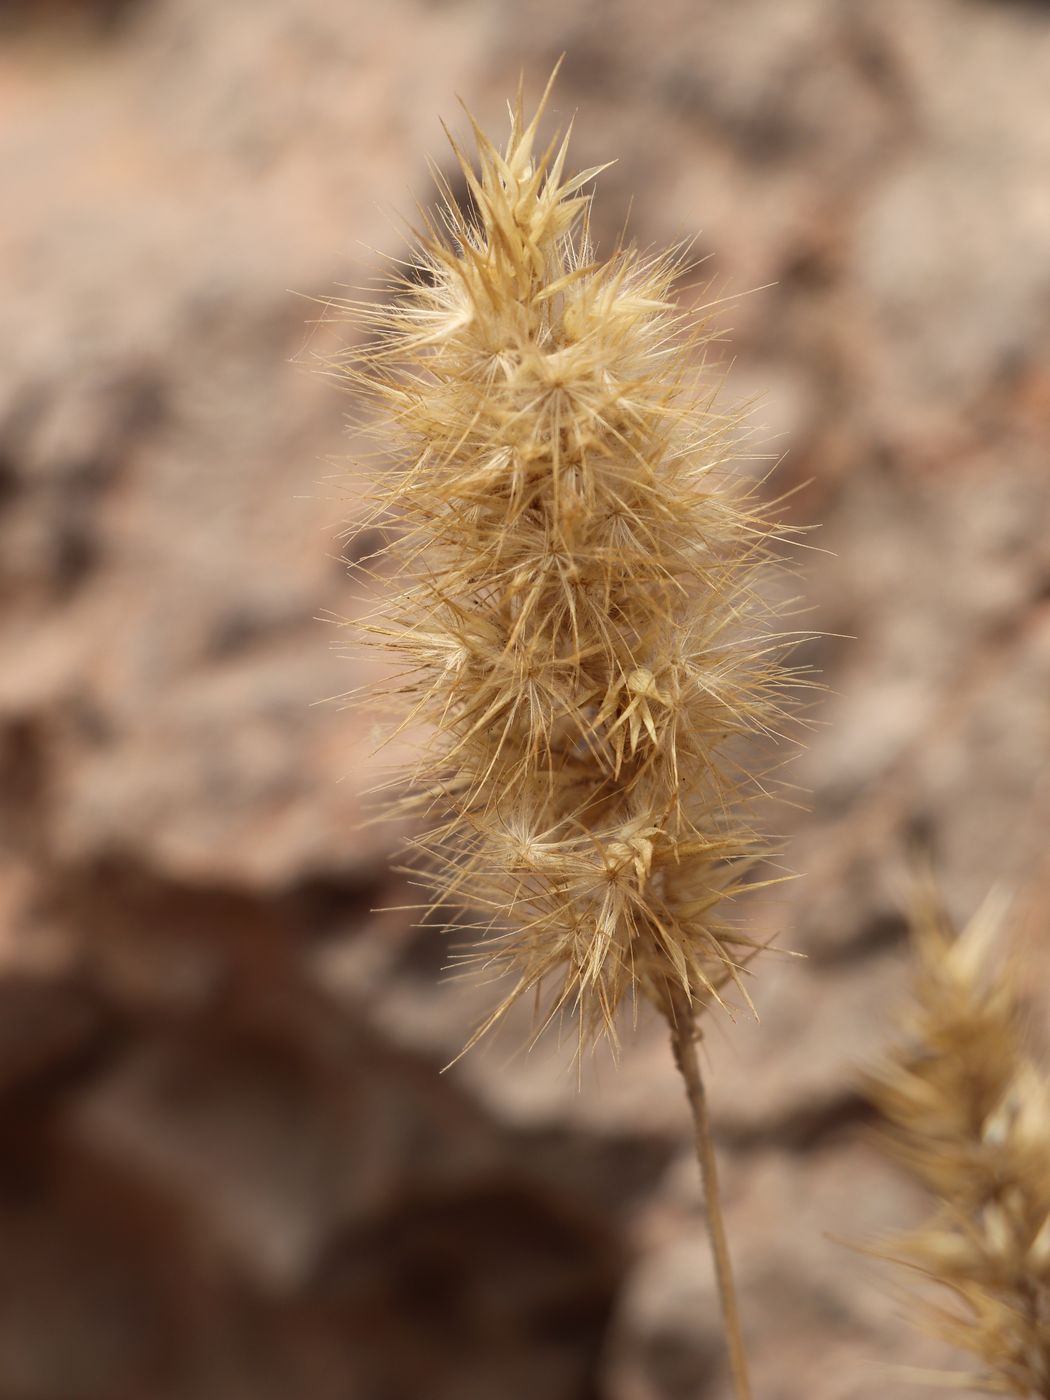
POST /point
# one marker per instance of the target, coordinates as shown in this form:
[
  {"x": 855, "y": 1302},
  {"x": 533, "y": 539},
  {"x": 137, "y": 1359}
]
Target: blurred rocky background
[{"x": 229, "y": 1166}]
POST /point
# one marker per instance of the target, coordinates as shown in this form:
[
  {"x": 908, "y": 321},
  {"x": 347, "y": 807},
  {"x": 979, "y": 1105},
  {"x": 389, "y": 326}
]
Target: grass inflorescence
[
  {"x": 579, "y": 626},
  {"x": 578, "y": 629},
  {"x": 969, "y": 1116}
]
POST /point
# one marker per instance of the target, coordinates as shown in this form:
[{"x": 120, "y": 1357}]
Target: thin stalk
[{"x": 684, "y": 1037}]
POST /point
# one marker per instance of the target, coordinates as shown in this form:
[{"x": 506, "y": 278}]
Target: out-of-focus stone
[{"x": 231, "y": 1167}]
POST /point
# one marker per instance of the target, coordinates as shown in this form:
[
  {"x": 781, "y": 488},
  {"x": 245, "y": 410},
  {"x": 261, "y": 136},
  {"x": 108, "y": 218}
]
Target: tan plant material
[
  {"x": 578, "y": 626},
  {"x": 578, "y": 623},
  {"x": 969, "y": 1116}
]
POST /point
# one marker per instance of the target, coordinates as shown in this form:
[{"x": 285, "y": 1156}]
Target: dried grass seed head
[
  {"x": 969, "y": 1116},
  {"x": 579, "y": 627}
]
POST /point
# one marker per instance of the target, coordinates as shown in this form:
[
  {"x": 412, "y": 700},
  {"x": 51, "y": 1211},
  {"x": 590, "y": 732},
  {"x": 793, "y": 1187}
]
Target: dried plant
[
  {"x": 969, "y": 1116},
  {"x": 578, "y": 628}
]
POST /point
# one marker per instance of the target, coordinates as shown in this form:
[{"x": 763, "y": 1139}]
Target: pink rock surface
[{"x": 230, "y": 1165}]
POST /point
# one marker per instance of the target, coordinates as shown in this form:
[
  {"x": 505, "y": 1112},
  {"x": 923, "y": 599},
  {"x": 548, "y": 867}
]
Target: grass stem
[{"x": 684, "y": 1039}]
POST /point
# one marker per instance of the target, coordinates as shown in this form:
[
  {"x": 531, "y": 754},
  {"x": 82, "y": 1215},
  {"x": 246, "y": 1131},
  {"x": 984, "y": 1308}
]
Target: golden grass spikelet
[
  {"x": 969, "y": 1116},
  {"x": 577, "y": 625}
]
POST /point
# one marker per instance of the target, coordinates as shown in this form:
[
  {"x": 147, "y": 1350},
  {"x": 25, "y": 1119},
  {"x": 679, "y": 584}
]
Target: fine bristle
[
  {"x": 577, "y": 627},
  {"x": 969, "y": 1116}
]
